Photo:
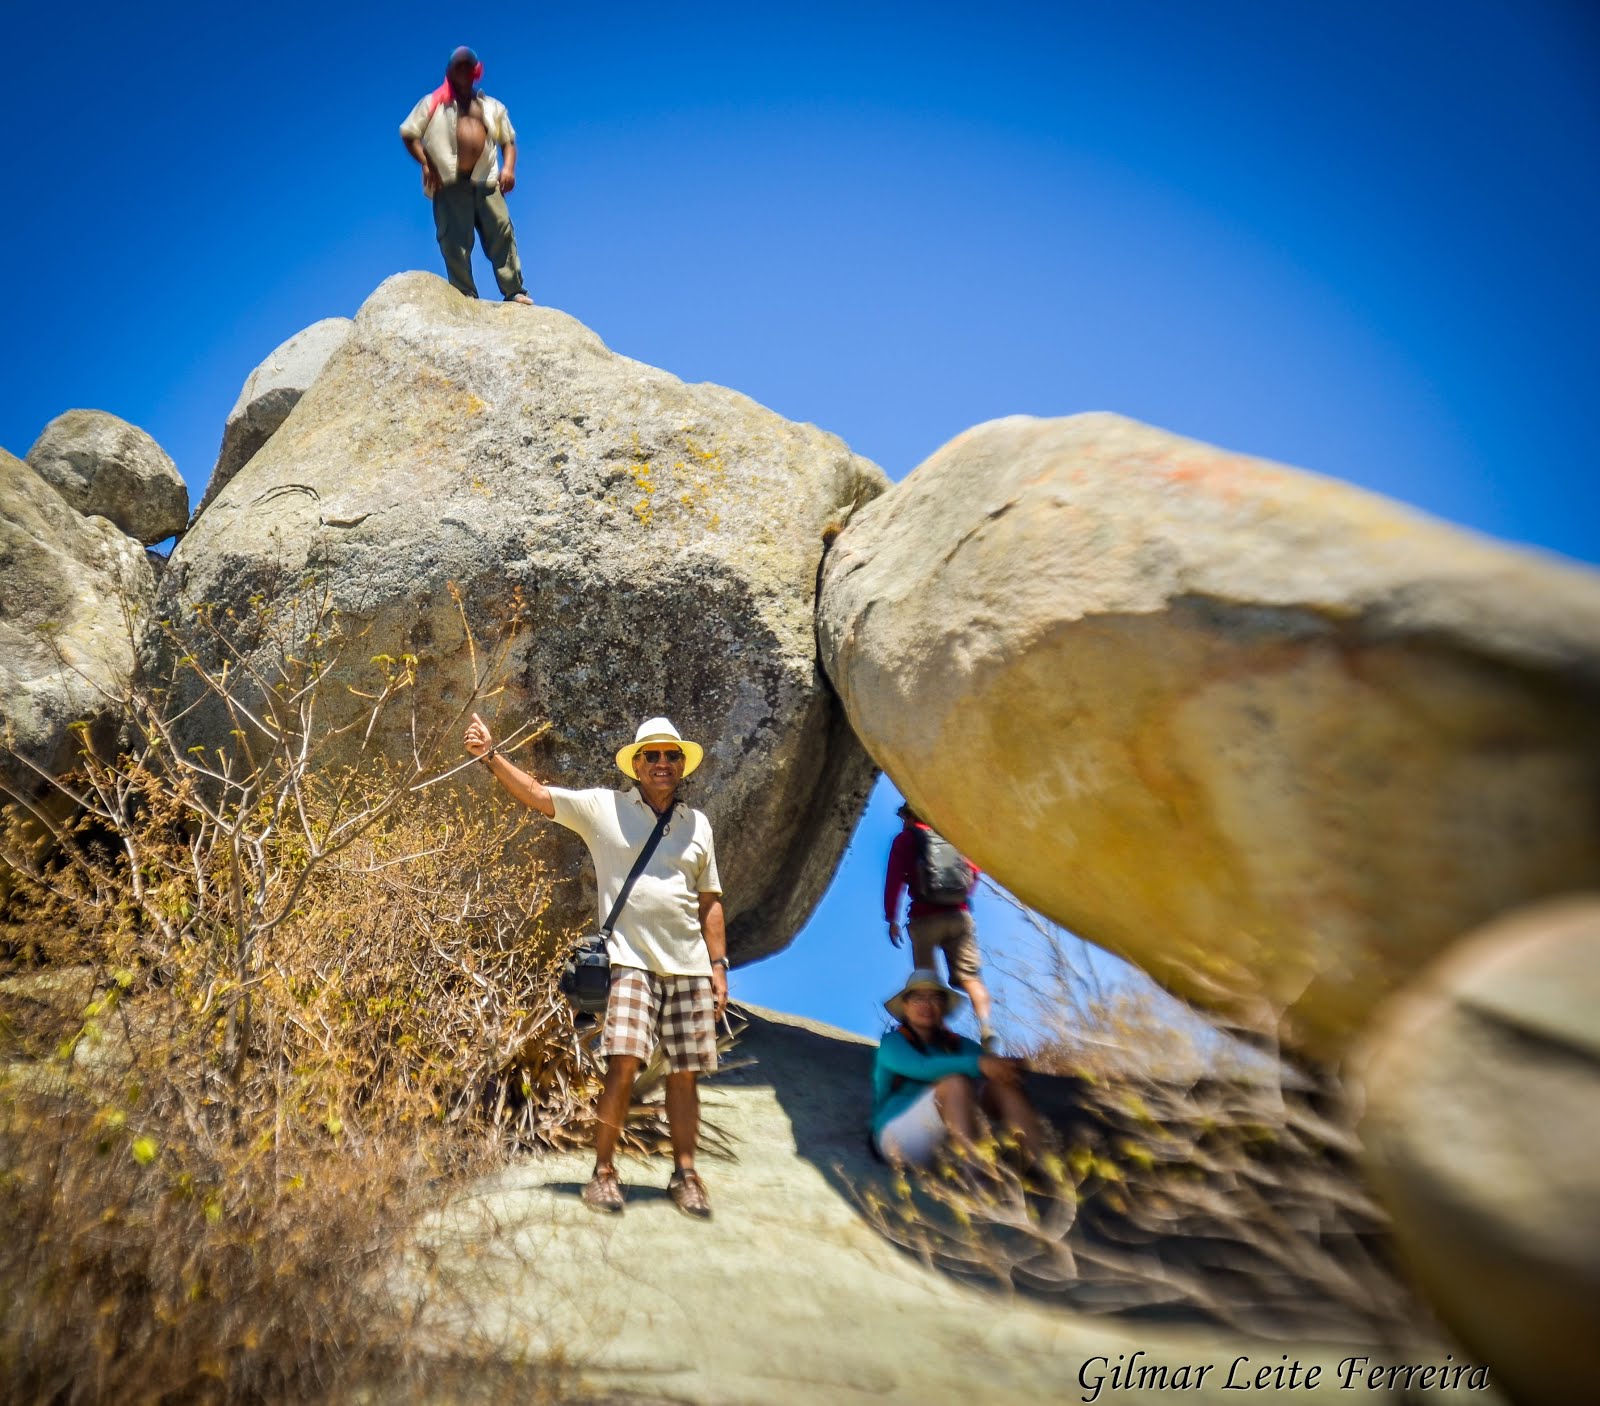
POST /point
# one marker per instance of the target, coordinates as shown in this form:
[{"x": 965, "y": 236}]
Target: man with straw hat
[
  {"x": 929, "y": 1083},
  {"x": 668, "y": 948}
]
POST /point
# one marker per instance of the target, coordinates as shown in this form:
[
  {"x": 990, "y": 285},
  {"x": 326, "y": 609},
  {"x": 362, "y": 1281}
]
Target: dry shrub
[
  {"x": 1192, "y": 1174},
  {"x": 321, "y": 998}
]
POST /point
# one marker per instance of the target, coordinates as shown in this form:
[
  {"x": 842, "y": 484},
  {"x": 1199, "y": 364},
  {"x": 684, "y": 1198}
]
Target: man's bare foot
[{"x": 522, "y": 298}]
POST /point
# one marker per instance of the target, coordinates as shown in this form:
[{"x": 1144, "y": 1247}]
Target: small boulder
[
  {"x": 105, "y": 467},
  {"x": 1482, "y": 1138},
  {"x": 1274, "y": 739},
  {"x": 74, "y": 595},
  {"x": 270, "y": 392}
]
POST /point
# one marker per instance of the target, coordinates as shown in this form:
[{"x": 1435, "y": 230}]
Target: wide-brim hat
[
  {"x": 923, "y": 979},
  {"x": 659, "y": 730}
]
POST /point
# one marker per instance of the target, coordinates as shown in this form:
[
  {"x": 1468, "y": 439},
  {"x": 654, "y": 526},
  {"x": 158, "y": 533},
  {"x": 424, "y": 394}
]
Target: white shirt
[
  {"x": 436, "y": 126},
  {"x": 659, "y": 928}
]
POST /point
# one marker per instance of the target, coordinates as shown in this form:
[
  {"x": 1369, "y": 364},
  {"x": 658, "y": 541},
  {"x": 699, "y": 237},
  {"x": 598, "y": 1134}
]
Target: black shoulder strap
[{"x": 638, "y": 867}]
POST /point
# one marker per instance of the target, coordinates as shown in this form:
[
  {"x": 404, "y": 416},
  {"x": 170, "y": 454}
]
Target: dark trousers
[{"x": 459, "y": 209}]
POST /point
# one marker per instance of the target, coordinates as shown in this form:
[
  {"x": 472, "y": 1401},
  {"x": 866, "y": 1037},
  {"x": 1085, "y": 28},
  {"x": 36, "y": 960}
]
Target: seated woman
[{"x": 928, "y": 1082}]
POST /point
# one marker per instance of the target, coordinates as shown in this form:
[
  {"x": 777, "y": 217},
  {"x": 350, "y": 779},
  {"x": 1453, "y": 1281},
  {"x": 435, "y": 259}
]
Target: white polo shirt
[{"x": 659, "y": 929}]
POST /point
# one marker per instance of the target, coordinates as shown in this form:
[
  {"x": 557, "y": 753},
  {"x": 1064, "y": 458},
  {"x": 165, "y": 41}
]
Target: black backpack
[{"x": 941, "y": 875}]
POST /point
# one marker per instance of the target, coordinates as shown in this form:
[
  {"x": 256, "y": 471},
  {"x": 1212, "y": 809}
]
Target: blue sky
[{"x": 1357, "y": 236}]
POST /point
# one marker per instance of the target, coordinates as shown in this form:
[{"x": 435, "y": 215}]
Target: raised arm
[{"x": 523, "y": 787}]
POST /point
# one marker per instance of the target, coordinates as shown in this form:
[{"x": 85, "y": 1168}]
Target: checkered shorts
[{"x": 682, "y": 1007}]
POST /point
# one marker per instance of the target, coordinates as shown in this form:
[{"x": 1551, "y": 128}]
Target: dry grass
[{"x": 318, "y": 999}]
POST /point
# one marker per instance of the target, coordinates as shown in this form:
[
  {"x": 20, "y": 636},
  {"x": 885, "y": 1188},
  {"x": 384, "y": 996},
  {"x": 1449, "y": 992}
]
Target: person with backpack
[
  {"x": 929, "y": 1083},
  {"x": 941, "y": 880},
  {"x": 667, "y": 940},
  {"x": 452, "y": 133}
]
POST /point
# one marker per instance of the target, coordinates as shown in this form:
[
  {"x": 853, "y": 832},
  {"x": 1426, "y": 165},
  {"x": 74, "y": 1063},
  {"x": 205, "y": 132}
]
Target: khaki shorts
[
  {"x": 955, "y": 934},
  {"x": 680, "y": 1011}
]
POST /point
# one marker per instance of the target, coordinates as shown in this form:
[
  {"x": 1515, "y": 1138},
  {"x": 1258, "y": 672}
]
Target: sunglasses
[{"x": 652, "y": 755}]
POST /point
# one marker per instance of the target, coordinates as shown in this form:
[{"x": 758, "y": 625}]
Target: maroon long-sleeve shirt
[{"x": 902, "y": 866}]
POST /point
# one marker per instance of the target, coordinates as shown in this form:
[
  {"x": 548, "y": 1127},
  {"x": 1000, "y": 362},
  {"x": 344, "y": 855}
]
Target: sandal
[
  {"x": 604, "y": 1191},
  {"x": 688, "y": 1194}
]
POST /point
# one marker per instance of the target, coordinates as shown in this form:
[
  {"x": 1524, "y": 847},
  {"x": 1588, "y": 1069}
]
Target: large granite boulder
[
  {"x": 1482, "y": 1136},
  {"x": 106, "y": 467},
  {"x": 665, "y": 539},
  {"x": 269, "y": 393},
  {"x": 1274, "y": 739},
  {"x": 74, "y": 592}
]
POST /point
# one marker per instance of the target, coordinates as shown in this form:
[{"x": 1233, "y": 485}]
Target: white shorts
[{"x": 913, "y": 1136}]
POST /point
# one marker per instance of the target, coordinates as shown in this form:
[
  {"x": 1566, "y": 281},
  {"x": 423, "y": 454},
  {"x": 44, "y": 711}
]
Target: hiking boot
[
  {"x": 604, "y": 1191},
  {"x": 688, "y": 1194}
]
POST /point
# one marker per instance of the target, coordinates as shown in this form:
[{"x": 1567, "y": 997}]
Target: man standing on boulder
[
  {"x": 669, "y": 962},
  {"x": 453, "y": 133},
  {"x": 941, "y": 880}
]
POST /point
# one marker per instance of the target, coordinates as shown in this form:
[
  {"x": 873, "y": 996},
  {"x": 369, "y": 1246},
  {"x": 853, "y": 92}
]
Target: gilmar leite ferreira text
[{"x": 1140, "y": 1372}]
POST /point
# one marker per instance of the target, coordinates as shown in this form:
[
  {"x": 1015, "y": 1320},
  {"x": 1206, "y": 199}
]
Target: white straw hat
[
  {"x": 658, "y": 730},
  {"x": 922, "y": 979}
]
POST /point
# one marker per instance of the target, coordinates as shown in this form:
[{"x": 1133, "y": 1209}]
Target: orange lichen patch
[
  {"x": 692, "y": 482},
  {"x": 702, "y": 474},
  {"x": 644, "y": 480},
  {"x": 1226, "y": 476}
]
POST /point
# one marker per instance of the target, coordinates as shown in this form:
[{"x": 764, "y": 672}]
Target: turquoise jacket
[{"x": 901, "y": 1072}]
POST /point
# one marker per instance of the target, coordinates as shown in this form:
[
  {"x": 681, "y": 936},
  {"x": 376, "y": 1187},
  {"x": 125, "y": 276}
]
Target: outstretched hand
[{"x": 477, "y": 739}]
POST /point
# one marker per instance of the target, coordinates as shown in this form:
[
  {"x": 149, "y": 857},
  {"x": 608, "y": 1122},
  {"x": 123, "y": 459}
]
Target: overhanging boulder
[{"x": 1274, "y": 739}]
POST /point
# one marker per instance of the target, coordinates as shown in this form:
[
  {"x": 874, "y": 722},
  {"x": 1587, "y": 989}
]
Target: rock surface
[
  {"x": 270, "y": 392},
  {"x": 108, "y": 468},
  {"x": 65, "y": 639},
  {"x": 1482, "y": 1130},
  {"x": 1274, "y": 739},
  {"x": 787, "y": 1296},
  {"x": 665, "y": 539}
]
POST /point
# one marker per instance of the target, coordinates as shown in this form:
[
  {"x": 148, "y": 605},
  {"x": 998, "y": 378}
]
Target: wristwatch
[{"x": 720, "y": 962}]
